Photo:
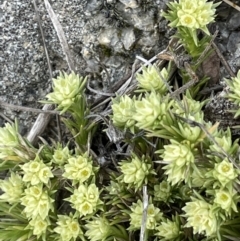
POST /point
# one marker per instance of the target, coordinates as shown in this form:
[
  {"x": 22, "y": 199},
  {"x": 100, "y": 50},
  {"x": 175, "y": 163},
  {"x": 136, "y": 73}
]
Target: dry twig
[
  {"x": 232, "y": 4},
  {"x": 144, "y": 216}
]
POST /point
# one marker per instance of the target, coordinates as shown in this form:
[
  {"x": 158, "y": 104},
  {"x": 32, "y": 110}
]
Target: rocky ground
[{"x": 104, "y": 36}]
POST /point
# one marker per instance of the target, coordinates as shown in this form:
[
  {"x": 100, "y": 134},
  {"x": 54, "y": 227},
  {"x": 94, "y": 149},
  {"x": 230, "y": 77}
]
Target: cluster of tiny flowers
[
  {"x": 151, "y": 80},
  {"x": 68, "y": 228},
  {"x": 37, "y": 202},
  {"x": 36, "y": 172},
  {"x": 192, "y": 14},
  {"x": 85, "y": 199},
  {"x": 12, "y": 188},
  {"x": 8, "y": 140},
  {"x": 201, "y": 217},
  {"x": 123, "y": 112},
  {"x": 37, "y": 205},
  {"x": 66, "y": 88},
  {"x": 78, "y": 169},
  {"x": 153, "y": 216},
  {"x": 136, "y": 171},
  {"x": 179, "y": 158}
]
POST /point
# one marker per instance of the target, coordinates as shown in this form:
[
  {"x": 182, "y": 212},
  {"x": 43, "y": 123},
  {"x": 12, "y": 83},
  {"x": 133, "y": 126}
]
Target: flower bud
[
  {"x": 150, "y": 111},
  {"x": 234, "y": 95},
  {"x": 61, "y": 155},
  {"x": 169, "y": 230},
  {"x": 179, "y": 158},
  {"x": 12, "y": 188},
  {"x": 98, "y": 229},
  {"x": 150, "y": 79},
  {"x": 123, "y": 112},
  {"x": 162, "y": 191},
  {"x": 66, "y": 88},
  {"x": 136, "y": 171},
  {"x": 8, "y": 140}
]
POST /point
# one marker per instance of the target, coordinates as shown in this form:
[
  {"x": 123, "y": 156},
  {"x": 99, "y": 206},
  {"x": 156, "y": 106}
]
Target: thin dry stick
[
  {"x": 61, "y": 36},
  {"x": 222, "y": 59},
  {"x": 43, "y": 39},
  {"x": 144, "y": 216},
  {"x": 232, "y": 4},
  {"x": 194, "y": 77},
  {"x": 98, "y": 91},
  {"x": 40, "y": 124},
  {"x": 43, "y": 119},
  {"x": 28, "y": 109}
]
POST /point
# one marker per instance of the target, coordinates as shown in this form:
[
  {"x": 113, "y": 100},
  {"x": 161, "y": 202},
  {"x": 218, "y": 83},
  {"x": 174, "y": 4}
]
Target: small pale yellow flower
[
  {"x": 36, "y": 172},
  {"x": 39, "y": 226},
  {"x": 224, "y": 172},
  {"x": 189, "y": 6},
  {"x": 85, "y": 199},
  {"x": 153, "y": 216},
  {"x": 79, "y": 168},
  {"x": 201, "y": 217},
  {"x": 225, "y": 200},
  {"x": 191, "y": 14},
  {"x": 68, "y": 228},
  {"x": 12, "y": 188},
  {"x": 187, "y": 20}
]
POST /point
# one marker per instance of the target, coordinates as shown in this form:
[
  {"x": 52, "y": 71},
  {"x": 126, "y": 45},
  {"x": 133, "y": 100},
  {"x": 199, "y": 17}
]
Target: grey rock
[
  {"x": 234, "y": 21},
  {"x": 233, "y": 42}
]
